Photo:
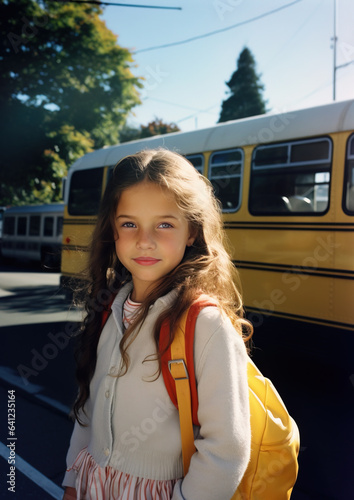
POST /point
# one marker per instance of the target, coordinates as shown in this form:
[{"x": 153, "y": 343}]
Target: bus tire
[{"x": 50, "y": 260}]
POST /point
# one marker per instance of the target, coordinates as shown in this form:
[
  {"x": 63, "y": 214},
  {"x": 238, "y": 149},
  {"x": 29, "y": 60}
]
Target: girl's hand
[{"x": 70, "y": 493}]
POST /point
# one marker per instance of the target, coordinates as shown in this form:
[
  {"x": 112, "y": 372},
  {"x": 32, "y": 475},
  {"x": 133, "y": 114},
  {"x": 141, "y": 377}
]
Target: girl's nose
[{"x": 145, "y": 240}]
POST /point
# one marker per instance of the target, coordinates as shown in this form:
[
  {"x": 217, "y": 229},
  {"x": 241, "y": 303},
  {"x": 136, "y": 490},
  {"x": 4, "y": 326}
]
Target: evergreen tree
[{"x": 246, "y": 91}]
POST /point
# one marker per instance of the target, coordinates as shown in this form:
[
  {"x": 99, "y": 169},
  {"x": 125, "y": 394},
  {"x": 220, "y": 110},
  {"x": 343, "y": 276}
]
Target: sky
[{"x": 185, "y": 83}]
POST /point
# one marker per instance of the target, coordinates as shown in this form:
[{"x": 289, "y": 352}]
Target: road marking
[
  {"x": 5, "y": 293},
  {"x": 10, "y": 376},
  {"x": 34, "y": 475},
  {"x": 54, "y": 403}
]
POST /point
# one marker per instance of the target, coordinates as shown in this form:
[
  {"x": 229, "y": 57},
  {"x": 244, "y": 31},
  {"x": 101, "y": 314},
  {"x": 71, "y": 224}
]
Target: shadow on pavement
[
  {"x": 41, "y": 357},
  {"x": 30, "y": 299}
]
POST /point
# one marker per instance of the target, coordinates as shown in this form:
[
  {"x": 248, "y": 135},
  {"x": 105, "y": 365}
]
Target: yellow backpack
[{"x": 273, "y": 467}]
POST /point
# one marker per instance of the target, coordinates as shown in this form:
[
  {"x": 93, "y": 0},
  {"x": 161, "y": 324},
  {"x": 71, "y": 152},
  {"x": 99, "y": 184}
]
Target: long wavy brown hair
[{"x": 205, "y": 268}]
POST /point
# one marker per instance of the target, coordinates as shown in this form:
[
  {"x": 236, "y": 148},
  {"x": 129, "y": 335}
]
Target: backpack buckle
[{"x": 176, "y": 367}]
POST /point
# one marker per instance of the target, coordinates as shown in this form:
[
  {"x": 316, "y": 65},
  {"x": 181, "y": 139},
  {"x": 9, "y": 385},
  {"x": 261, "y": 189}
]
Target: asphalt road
[
  {"x": 37, "y": 375},
  {"x": 312, "y": 368}
]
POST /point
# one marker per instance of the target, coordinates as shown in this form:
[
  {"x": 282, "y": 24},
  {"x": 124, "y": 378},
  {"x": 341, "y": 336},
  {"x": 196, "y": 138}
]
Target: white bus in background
[{"x": 34, "y": 233}]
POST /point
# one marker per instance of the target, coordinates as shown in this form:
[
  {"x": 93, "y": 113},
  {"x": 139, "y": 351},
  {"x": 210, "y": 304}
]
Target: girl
[{"x": 158, "y": 244}]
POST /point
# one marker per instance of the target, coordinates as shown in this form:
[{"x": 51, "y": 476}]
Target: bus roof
[
  {"x": 35, "y": 209},
  {"x": 329, "y": 118}
]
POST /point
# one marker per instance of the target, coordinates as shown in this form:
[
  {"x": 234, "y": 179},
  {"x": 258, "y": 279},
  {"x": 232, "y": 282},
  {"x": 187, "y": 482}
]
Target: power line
[
  {"x": 97, "y": 2},
  {"x": 211, "y": 33},
  {"x": 345, "y": 64},
  {"x": 321, "y": 87},
  {"x": 283, "y": 47},
  {"x": 180, "y": 105},
  {"x": 196, "y": 114}
]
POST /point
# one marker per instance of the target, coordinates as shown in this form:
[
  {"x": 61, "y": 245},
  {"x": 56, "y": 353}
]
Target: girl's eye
[
  {"x": 165, "y": 225},
  {"x": 128, "y": 224}
]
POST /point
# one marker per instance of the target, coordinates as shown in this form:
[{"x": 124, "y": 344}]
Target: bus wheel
[{"x": 49, "y": 260}]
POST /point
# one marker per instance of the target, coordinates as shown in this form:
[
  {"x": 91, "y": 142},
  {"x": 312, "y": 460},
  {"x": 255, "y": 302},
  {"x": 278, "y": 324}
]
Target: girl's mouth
[{"x": 146, "y": 261}]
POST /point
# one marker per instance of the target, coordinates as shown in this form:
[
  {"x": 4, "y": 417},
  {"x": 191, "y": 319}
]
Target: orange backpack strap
[{"x": 187, "y": 325}]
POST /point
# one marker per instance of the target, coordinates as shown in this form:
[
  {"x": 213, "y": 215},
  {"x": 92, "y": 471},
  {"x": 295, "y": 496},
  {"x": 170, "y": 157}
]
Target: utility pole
[
  {"x": 335, "y": 67},
  {"x": 334, "y": 49}
]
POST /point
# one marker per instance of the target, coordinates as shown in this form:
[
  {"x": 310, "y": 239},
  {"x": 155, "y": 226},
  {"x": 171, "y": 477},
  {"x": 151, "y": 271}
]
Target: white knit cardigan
[{"x": 133, "y": 425}]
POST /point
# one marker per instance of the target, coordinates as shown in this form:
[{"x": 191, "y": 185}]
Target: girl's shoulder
[
  {"x": 214, "y": 325},
  {"x": 212, "y": 316},
  {"x": 216, "y": 340}
]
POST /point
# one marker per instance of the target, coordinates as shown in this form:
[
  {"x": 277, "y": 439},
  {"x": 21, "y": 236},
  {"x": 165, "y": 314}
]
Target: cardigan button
[
  {"x": 113, "y": 370},
  {"x": 106, "y": 452},
  {"x": 106, "y": 394}
]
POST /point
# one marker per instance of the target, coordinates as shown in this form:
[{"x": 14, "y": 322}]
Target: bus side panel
[
  {"x": 316, "y": 298},
  {"x": 76, "y": 238},
  {"x": 306, "y": 281}
]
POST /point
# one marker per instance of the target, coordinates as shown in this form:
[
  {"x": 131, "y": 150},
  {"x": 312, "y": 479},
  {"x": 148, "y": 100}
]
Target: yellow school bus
[{"x": 286, "y": 185}]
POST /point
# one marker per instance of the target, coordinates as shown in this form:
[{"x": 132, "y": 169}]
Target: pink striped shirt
[
  {"x": 130, "y": 308},
  {"x": 106, "y": 483}
]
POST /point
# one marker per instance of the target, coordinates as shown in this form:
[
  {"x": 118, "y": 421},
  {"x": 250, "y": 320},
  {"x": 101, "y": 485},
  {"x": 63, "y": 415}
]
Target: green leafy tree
[
  {"x": 66, "y": 88},
  {"x": 245, "y": 89},
  {"x": 129, "y": 133},
  {"x": 156, "y": 127}
]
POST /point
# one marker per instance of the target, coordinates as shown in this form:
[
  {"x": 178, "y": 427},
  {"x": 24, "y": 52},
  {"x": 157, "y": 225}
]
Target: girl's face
[{"x": 151, "y": 235}]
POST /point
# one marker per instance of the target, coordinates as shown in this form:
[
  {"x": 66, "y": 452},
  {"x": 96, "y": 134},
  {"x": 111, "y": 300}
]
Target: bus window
[
  {"x": 9, "y": 226},
  {"x": 348, "y": 195},
  {"x": 109, "y": 174},
  {"x": 291, "y": 178},
  {"x": 85, "y": 192},
  {"x": 22, "y": 226},
  {"x": 59, "y": 230},
  {"x": 35, "y": 225},
  {"x": 197, "y": 161},
  {"x": 225, "y": 174},
  {"x": 48, "y": 226}
]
